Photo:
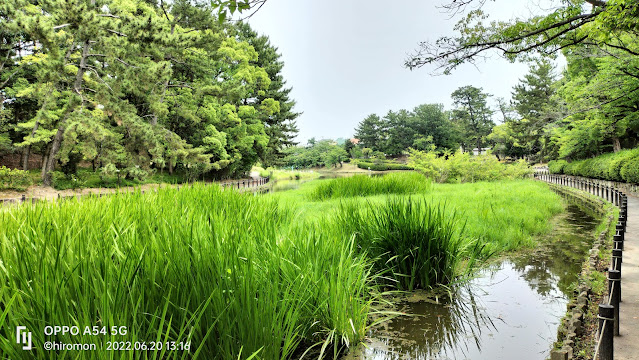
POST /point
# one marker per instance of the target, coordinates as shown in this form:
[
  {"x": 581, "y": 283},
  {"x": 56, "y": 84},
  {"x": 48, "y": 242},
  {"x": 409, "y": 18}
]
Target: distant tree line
[{"x": 430, "y": 127}]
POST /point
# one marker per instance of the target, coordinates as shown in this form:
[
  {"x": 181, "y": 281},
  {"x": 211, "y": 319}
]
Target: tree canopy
[
  {"x": 424, "y": 127},
  {"x": 590, "y": 109},
  {"x": 135, "y": 87}
]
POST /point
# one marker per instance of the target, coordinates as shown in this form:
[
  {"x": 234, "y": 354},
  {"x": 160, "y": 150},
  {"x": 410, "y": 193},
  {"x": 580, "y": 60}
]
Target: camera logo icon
[{"x": 23, "y": 336}]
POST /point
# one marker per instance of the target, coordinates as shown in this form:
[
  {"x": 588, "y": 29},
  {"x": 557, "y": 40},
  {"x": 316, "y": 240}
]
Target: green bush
[
  {"x": 619, "y": 166},
  {"x": 630, "y": 171},
  {"x": 463, "y": 167},
  {"x": 14, "y": 179},
  {"x": 557, "y": 166},
  {"x": 383, "y": 166}
]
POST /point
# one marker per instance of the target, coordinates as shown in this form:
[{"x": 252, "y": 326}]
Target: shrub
[
  {"x": 363, "y": 185},
  {"x": 557, "y": 166},
  {"x": 383, "y": 166},
  {"x": 463, "y": 167},
  {"x": 630, "y": 171},
  {"x": 608, "y": 166},
  {"x": 14, "y": 179}
]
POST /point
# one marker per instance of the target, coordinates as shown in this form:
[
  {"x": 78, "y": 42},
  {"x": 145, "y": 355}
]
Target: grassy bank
[{"x": 235, "y": 275}]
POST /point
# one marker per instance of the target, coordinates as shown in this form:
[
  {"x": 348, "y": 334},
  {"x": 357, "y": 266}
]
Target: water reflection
[{"x": 511, "y": 310}]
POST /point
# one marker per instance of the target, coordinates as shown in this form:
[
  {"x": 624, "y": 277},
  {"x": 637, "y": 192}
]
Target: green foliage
[
  {"x": 415, "y": 244},
  {"x": 214, "y": 268},
  {"x": 473, "y": 116},
  {"x": 463, "y": 167},
  {"x": 619, "y": 166},
  {"x": 141, "y": 86},
  {"x": 14, "y": 179},
  {"x": 630, "y": 170},
  {"x": 382, "y": 166},
  {"x": 499, "y": 216},
  {"x": 424, "y": 127},
  {"x": 324, "y": 153},
  {"x": 593, "y": 108},
  {"x": 534, "y": 101},
  {"x": 557, "y": 166},
  {"x": 363, "y": 185},
  {"x": 279, "y": 123}
]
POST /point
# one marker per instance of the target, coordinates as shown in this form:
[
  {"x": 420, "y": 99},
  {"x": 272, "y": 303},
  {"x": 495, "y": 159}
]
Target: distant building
[
  {"x": 483, "y": 151},
  {"x": 354, "y": 141},
  {"x": 477, "y": 152}
]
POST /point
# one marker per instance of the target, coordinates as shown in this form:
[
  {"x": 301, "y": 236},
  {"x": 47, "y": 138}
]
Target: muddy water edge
[{"x": 510, "y": 310}]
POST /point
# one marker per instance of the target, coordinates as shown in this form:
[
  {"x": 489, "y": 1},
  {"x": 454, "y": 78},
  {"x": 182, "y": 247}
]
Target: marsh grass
[
  {"x": 239, "y": 275},
  {"x": 363, "y": 185},
  {"x": 416, "y": 244},
  {"x": 200, "y": 265}
]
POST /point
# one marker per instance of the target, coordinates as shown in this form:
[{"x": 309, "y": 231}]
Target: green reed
[
  {"x": 414, "y": 243},
  {"x": 363, "y": 185},
  {"x": 198, "y": 265}
]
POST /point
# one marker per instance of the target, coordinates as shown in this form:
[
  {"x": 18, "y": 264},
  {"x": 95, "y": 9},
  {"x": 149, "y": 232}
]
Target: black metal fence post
[
  {"x": 606, "y": 319},
  {"x": 614, "y": 289}
]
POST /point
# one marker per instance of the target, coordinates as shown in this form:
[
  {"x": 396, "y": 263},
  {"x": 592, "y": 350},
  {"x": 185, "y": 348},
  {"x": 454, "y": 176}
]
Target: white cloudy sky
[{"x": 344, "y": 58}]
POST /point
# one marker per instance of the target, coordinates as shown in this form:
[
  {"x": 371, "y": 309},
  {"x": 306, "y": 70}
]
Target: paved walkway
[{"x": 627, "y": 343}]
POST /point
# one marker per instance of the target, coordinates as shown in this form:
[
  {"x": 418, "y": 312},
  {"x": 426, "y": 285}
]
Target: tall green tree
[
  {"x": 533, "y": 99},
  {"x": 133, "y": 87},
  {"x": 473, "y": 115},
  {"x": 280, "y": 126},
  {"x": 371, "y": 132},
  {"x": 433, "y": 125}
]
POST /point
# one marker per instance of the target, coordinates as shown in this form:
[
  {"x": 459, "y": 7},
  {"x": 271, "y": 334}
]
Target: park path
[{"x": 627, "y": 343}]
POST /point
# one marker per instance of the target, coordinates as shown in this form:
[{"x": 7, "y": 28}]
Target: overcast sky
[{"x": 344, "y": 58}]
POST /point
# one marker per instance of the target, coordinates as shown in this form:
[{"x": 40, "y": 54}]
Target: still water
[{"x": 511, "y": 310}]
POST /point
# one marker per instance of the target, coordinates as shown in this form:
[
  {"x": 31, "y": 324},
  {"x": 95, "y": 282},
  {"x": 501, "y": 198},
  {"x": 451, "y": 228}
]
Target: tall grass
[
  {"x": 202, "y": 265},
  {"x": 362, "y": 185},
  {"x": 412, "y": 242}
]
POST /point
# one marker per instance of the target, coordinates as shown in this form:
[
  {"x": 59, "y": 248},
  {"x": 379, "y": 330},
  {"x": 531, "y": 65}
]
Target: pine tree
[
  {"x": 473, "y": 115},
  {"x": 371, "y": 132},
  {"x": 280, "y": 126}
]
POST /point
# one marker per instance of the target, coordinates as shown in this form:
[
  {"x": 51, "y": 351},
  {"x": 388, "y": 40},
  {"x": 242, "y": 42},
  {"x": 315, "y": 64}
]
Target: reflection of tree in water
[
  {"x": 557, "y": 264},
  {"x": 453, "y": 325}
]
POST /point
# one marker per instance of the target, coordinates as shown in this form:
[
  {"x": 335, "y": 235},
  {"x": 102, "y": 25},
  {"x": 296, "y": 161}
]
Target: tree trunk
[
  {"x": 44, "y": 160},
  {"x": 25, "y": 157},
  {"x": 50, "y": 164},
  {"x": 616, "y": 144}
]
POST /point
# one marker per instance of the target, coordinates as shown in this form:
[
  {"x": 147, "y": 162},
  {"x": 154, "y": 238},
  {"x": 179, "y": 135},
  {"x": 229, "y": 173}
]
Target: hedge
[
  {"x": 619, "y": 166},
  {"x": 383, "y": 166},
  {"x": 14, "y": 179}
]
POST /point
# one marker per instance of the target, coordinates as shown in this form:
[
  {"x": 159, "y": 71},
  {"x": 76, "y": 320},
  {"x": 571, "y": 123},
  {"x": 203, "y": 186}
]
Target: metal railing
[{"x": 608, "y": 316}]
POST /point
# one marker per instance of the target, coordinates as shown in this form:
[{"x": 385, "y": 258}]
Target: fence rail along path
[{"x": 618, "y": 328}]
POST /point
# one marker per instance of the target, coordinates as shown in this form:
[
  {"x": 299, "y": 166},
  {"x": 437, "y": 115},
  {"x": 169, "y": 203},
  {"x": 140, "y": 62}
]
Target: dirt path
[
  {"x": 627, "y": 343},
  {"x": 49, "y": 193}
]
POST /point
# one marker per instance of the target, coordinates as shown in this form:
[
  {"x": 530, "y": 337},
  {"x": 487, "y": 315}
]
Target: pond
[{"x": 510, "y": 310}]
